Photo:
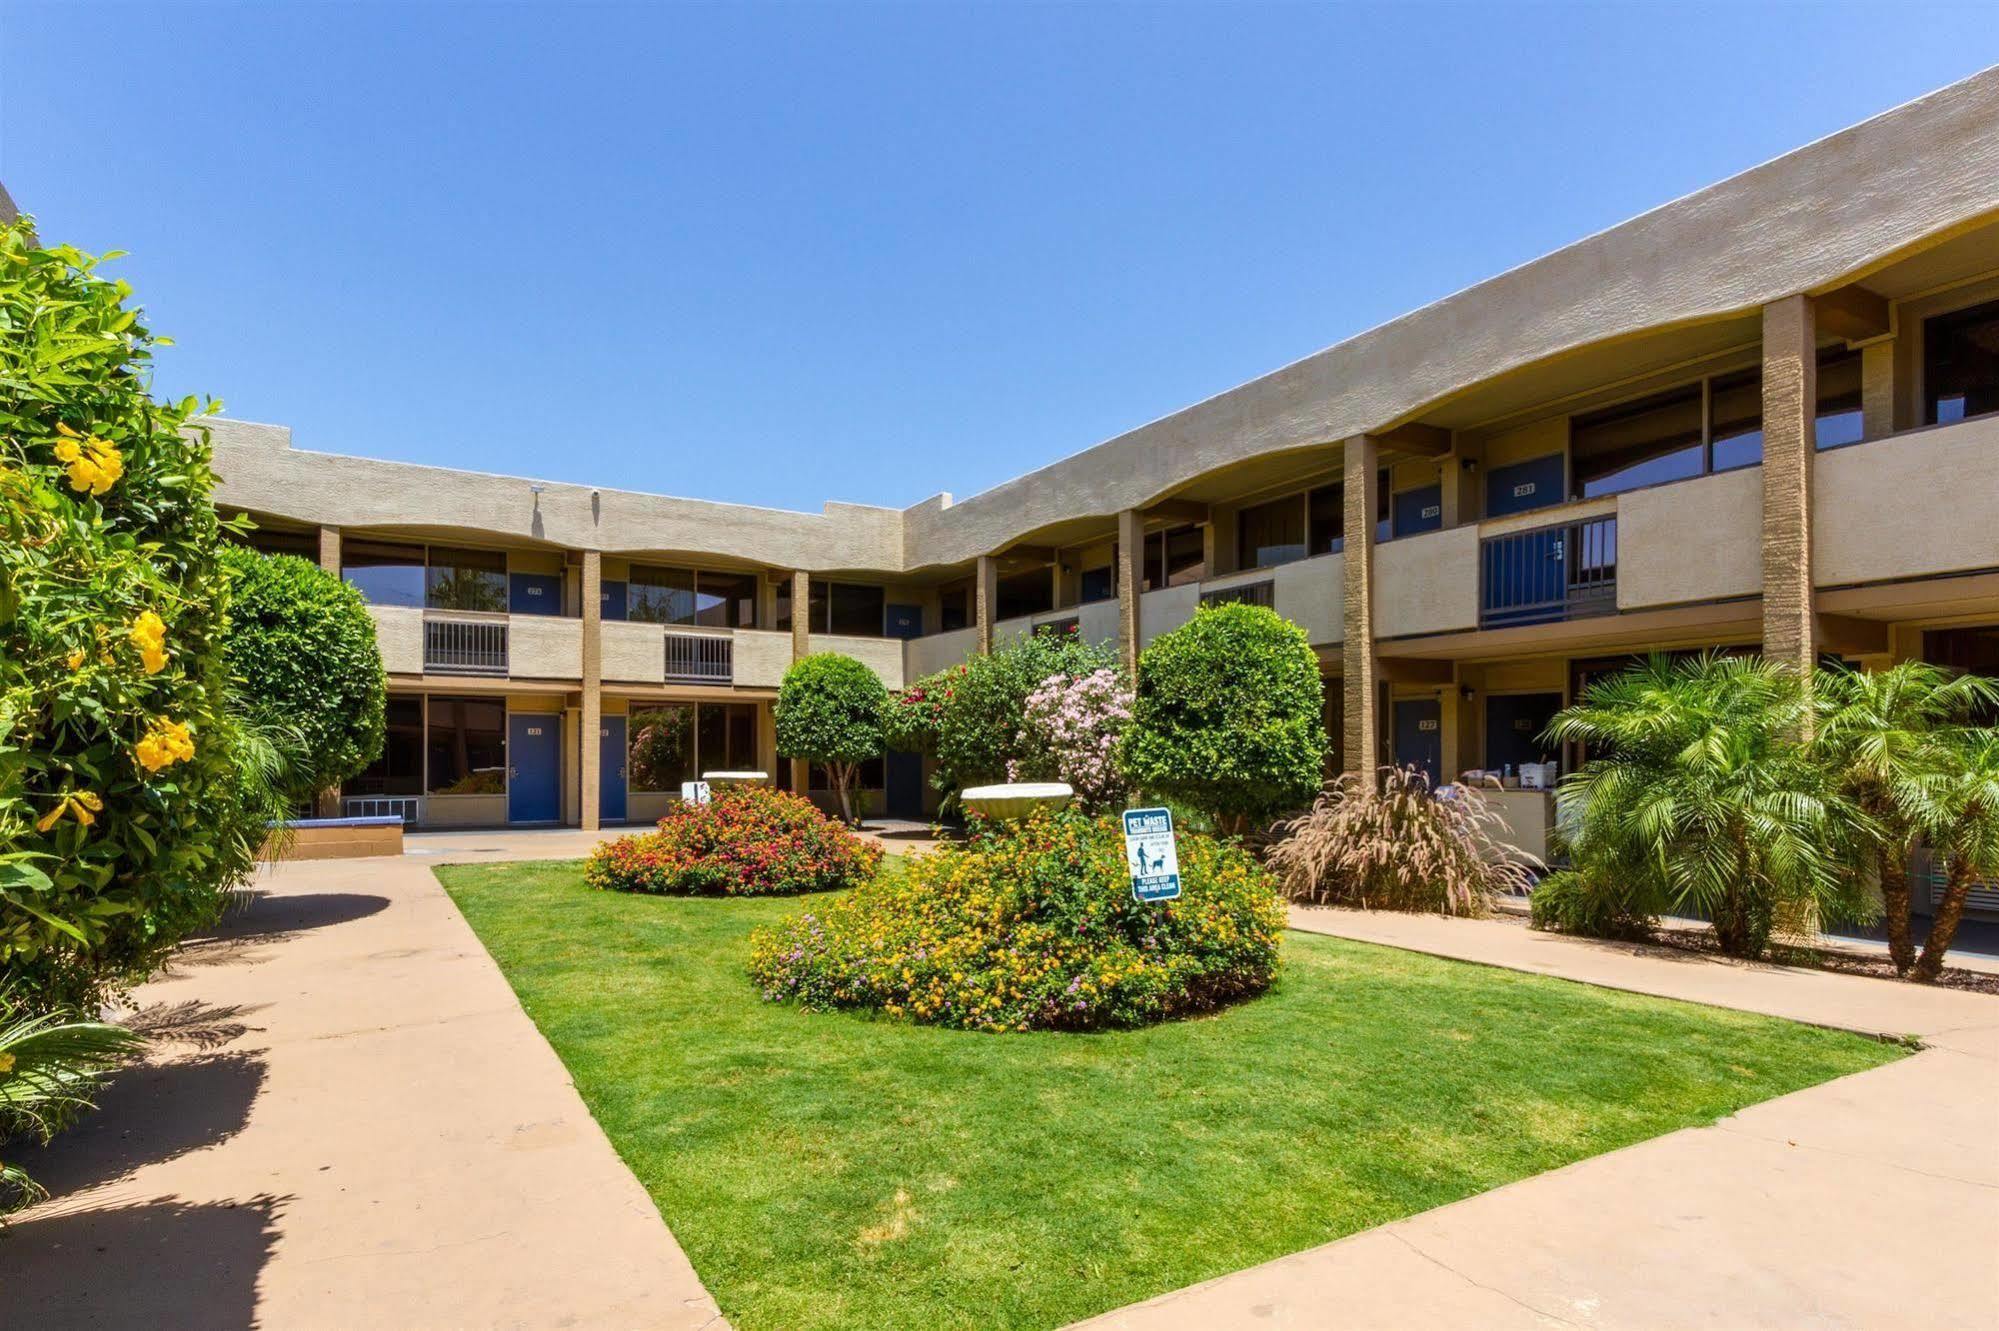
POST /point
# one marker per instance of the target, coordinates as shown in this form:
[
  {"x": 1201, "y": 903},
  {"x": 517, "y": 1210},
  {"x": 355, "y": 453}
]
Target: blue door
[
  {"x": 904, "y": 774},
  {"x": 1513, "y": 726},
  {"x": 534, "y": 593},
  {"x": 1419, "y": 510},
  {"x": 1535, "y": 483},
  {"x": 611, "y": 770},
  {"x": 534, "y": 768},
  {"x": 1419, "y": 736},
  {"x": 613, "y": 599},
  {"x": 905, "y": 621}
]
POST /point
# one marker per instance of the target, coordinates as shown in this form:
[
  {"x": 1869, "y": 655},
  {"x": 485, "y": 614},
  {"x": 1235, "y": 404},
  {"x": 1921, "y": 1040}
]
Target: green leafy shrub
[
  {"x": 1033, "y": 927},
  {"x": 123, "y": 817},
  {"x": 1228, "y": 716},
  {"x": 978, "y": 706},
  {"x": 829, "y": 711},
  {"x": 1389, "y": 843},
  {"x": 1595, "y": 905},
  {"x": 913, "y": 719},
  {"x": 301, "y": 646},
  {"x": 747, "y": 841}
]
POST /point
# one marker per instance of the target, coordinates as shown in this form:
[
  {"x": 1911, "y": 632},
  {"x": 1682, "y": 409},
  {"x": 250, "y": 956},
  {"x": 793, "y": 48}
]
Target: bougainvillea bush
[
  {"x": 1033, "y": 926},
  {"x": 1072, "y": 729},
  {"x": 127, "y": 806},
  {"x": 747, "y": 841}
]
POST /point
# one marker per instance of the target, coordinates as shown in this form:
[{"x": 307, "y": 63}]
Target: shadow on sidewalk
[{"x": 162, "y": 1263}]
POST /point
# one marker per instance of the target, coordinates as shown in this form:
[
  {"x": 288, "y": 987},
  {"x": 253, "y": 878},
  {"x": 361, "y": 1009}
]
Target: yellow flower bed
[{"x": 1033, "y": 928}]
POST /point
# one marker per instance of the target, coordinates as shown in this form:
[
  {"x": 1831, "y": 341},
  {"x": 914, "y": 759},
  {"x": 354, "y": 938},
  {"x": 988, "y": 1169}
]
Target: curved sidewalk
[
  {"x": 1867, "y": 1202},
  {"x": 354, "y": 1125}
]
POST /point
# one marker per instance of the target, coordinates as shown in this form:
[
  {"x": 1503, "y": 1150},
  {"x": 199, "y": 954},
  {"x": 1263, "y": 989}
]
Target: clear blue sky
[{"x": 784, "y": 254}]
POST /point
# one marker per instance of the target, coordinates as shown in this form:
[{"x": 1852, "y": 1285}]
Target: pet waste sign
[{"x": 1148, "y": 850}]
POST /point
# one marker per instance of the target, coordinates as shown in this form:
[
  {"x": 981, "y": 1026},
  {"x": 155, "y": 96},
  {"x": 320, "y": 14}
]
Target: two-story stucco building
[{"x": 1764, "y": 414}]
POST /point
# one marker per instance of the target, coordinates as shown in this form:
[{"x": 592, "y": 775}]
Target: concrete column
[
  {"x": 589, "y": 731},
  {"x": 985, "y": 600},
  {"x": 1363, "y": 485},
  {"x": 1130, "y": 586},
  {"x": 1877, "y": 389},
  {"x": 801, "y": 647},
  {"x": 328, "y": 803},
  {"x": 1790, "y": 405}
]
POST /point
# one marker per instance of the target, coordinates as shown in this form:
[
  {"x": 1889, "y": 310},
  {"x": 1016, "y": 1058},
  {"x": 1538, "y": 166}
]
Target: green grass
[{"x": 834, "y": 1171}]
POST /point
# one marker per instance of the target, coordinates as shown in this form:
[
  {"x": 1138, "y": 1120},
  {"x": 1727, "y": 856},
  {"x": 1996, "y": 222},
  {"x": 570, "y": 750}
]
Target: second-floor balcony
[
  {"x": 700, "y": 658},
  {"x": 1545, "y": 575},
  {"x": 464, "y": 643}
]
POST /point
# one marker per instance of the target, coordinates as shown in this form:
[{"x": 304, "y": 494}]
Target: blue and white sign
[
  {"x": 1149, "y": 851},
  {"x": 694, "y": 792}
]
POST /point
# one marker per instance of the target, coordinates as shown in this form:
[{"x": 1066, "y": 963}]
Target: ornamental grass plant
[
  {"x": 1033, "y": 926},
  {"x": 747, "y": 841},
  {"x": 1392, "y": 844}
]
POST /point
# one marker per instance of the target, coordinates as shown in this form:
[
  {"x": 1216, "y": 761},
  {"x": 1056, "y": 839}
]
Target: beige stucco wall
[
  {"x": 1308, "y": 594},
  {"x": 1912, "y": 504},
  {"x": 399, "y": 637},
  {"x": 634, "y": 653},
  {"x": 928, "y": 655},
  {"x": 464, "y": 810},
  {"x": 1698, "y": 540},
  {"x": 881, "y": 655},
  {"x": 1165, "y": 609},
  {"x": 1097, "y": 621},
  {"x": 762, "y": 658},
  {"x": 1528, "y": 814},
  {"x": 1426, "y": 583},
  {"x": 544, "y": 647}
]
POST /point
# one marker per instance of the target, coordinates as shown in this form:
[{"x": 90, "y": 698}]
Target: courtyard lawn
[{"x": 835, "y": 1171}]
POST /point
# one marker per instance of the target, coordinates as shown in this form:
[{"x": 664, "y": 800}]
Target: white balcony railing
[{"x": 464, "y": 644}]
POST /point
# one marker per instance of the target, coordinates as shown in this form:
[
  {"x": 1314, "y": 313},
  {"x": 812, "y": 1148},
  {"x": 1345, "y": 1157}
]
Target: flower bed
[
  {"x": 747, "y": 841},
  {"x": 1033, "y": 928}
]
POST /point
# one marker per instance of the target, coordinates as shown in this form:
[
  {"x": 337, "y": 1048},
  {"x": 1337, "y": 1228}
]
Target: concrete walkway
[
  {"x": 1871, "y": 1201},
  {"x": 354, "y": 1125}
]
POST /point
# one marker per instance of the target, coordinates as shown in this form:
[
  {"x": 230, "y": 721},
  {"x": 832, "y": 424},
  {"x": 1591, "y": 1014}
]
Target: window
[
  {"x": 466, "y": 580},
  {"x": 1973, "y": 650},
  {"x": 1272, "y": 533},
  {"x": 660, "y": 747},
  {"x": 954, "y": 607},
  {"x": 1099, "y": 584},
  {"x": 384, "y": 574},
  {"x": 1735, "y": 408},
  {"x": 725, "y": 737},
  {"x": 854, "y": 610},
  {"x": 278, "y": 541},
  {"x": 467, "y": 746},
  {"x": 1175, "y": 557},
  {"x": 1646, "y": 442},
  {"x": 1325, "y": 518},
  {"x": 725, "y": 600},
  {"x": 660, "y": 595},
  {"x": 1840, "y": 420},
  {"x": 1027, "y": 593},
  {"x": 838, "y": 607},
  {"x": 1961, "y": 364},
  {"x": 399, "y": 769}
]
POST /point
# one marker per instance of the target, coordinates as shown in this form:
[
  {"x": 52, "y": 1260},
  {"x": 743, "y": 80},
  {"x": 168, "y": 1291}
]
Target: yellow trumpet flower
[
  {"x": 167, "y": 743},
  {"x": 81, "y": 804}
]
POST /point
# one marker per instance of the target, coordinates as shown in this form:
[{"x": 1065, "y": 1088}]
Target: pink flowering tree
[{"x": 1071, "y": 729}]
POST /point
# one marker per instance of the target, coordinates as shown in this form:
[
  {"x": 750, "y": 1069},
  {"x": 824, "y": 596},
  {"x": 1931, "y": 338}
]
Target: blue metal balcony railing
[{"x": 1548, "y": 574}]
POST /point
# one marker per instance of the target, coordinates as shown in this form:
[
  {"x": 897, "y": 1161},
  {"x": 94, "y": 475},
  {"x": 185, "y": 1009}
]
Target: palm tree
[
  {"x": 1961, "y": 822},
  {"x": 1884, "y": 734},
  {"x": 49, "y": 1065},
  {"x": 1698, "y": 783}
]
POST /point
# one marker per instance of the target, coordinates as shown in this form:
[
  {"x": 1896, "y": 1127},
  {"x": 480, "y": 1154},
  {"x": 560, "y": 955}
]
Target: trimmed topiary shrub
[
  {"x": 829, "y": 711},
  {"x": 1033, "y": 927},
  {"x": 1227, "y": 718},
  {"x": 301, "y": 643},
  {"x": 131, "y": 799},
  {"x": 748, "y": 841}
]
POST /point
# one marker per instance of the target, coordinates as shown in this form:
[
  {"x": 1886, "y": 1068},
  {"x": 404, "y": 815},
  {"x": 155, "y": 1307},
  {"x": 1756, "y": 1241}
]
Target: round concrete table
[{"x": 1016, "y": 799}]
